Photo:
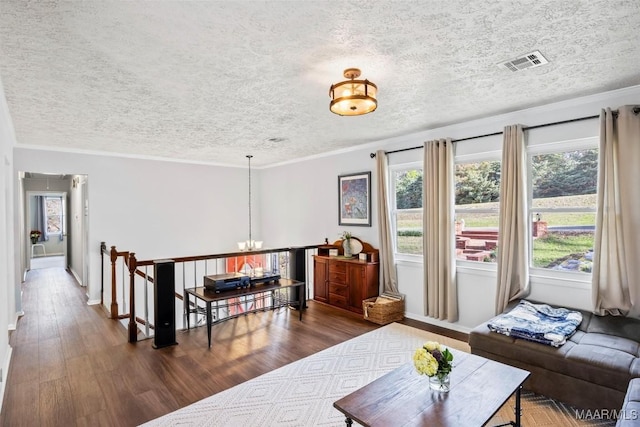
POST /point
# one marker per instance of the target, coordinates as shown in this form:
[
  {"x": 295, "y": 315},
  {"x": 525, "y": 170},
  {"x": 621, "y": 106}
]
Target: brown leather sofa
[{"x": 591, "y": 371}]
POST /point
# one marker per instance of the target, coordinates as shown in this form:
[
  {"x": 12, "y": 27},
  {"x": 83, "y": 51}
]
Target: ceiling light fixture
[
  {"x": 353, "y": 97},
  {"x": 250, "y": 244}
]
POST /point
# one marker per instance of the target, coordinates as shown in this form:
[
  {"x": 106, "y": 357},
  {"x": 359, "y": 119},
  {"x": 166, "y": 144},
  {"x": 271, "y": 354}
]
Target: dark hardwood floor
[{"x": 72, "y": 365}]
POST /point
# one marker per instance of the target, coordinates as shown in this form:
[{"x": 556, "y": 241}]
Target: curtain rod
[{"x": 636, "y": 110}]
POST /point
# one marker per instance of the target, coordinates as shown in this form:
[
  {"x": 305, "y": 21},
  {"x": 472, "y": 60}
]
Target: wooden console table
[{"x": 210, "y": 297}]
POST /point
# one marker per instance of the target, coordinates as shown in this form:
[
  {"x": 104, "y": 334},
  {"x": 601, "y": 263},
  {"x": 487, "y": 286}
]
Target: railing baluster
[
  {"x": 185, "y": 300},
  {"x": 103, "y": 250},
  {"x": 146, "y": 302},
  {"x": 124, "y": 291}
]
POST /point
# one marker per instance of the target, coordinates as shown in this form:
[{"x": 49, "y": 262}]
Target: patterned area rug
[{"x": 302, "y": 393}]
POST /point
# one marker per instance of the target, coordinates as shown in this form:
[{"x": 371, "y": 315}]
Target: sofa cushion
[{"x": 616, "y": 326}]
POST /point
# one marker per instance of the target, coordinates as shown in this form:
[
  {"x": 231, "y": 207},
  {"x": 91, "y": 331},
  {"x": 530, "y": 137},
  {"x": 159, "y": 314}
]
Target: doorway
[
  {"x": 55, "y": 223},
  {"x": 47, "y": 223}
]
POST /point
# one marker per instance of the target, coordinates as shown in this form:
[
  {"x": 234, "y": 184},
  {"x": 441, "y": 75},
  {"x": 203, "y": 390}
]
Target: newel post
[
  {"x": 133, "y": 327},
  {"x": 114, "y": 295}
]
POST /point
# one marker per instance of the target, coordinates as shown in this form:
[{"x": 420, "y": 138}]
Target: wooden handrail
[
  {"x": 178, "y": 260},
  {"x": 144, "y": 322}
]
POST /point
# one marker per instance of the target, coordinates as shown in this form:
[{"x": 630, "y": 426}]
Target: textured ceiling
[{"x": 214, "y": 81}]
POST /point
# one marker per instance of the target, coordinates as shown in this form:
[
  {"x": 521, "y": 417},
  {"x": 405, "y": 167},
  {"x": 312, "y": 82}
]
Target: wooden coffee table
[{"x": 479, "y": 388}]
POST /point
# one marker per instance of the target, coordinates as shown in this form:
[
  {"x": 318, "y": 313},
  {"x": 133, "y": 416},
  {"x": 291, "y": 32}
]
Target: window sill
[
  {"x": 568, "y": 279},
  {"x": 484, "y": 268},
  {"x": 407, "y": 259}
]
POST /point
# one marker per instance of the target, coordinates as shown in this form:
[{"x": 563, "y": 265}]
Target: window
[
  {"x": 563, "y": 208},
  {"x": 407, "y": 209},
  {"x": 55, "y": 215},
  {"x": 477, "y": 209}
]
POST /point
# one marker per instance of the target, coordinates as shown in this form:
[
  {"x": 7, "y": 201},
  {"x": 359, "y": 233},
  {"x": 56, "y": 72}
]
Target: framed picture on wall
[{"x": 354, "y": 199}]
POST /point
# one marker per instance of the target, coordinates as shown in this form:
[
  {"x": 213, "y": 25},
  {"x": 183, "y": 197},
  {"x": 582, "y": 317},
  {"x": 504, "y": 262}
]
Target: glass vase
[
  {"x": 440, "y": 383},
  {"x": 346, "y": 244}
]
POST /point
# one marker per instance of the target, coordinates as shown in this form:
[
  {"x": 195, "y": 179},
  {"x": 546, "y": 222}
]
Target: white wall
[
  {"x": 156, "y": 209},
  {"x": 302, "y": 203},
  {"x": 8, "y": 309},
  {"x": 299, "y": 200}
]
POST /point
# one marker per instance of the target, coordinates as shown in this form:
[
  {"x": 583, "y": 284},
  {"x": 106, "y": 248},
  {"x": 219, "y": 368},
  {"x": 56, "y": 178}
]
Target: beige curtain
[
  {"x": 513, "y": 239},
  {"x": 387, "y": 261},
  {"x": 441, "y": 295},
  {"x": 616, "y": 262}
]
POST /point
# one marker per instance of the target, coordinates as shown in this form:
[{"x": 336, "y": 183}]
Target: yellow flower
[
  {"x": 424, "y": 362},
  {"x": 431, "y": 345}
]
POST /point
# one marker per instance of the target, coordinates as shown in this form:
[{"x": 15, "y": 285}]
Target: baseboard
[
  {"x": 75, "y": 276},
  {"x": 14, "y": 325},
  {"x": 5, "y": 373},
  {"x": 93, "y": 301}
]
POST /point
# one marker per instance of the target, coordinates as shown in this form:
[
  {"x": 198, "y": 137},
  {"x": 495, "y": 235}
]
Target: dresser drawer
[
  {"x": 338, "y": 300},
  {"x": 337, "y": 267},
  {"x": 337, "y": 277},
  {"x": 338, "y": 289}
]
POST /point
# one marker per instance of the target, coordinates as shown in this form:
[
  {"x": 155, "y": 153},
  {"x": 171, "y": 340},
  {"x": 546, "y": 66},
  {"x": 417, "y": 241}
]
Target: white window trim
[
  {"x": 562, "y": 146},
  {"x": 470, "y": 267},
  {"x": 562, "y": 210}
]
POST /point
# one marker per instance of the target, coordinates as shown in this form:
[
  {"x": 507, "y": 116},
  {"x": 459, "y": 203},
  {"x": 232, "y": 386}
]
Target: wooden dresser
[{"x": 345, "y": 282}]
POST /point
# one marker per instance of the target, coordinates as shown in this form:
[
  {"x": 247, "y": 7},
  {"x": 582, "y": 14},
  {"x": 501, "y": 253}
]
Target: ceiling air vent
[{"x": 530, "y": 60}]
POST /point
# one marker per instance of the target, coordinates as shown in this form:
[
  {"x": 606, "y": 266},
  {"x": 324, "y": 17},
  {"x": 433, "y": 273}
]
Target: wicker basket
[{"x": 383, "y": 310}]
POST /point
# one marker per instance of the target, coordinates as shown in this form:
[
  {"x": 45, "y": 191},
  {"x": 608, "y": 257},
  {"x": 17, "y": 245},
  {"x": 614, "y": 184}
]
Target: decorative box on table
[{"x": 384, "y": 309}]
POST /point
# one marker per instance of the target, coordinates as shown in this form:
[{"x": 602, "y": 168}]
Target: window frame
[
  {"x": 393, "y": 169},
  {"x": 61, "y": 215},
  {"x": 555, "y": 147}
]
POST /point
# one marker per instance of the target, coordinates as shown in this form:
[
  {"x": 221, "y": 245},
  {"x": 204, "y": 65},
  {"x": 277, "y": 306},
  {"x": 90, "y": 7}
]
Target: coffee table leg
[
  {"x": 517, "y": 411},
  {"x": 518, "y": 407},
  {"x": 348, "y": 421}
]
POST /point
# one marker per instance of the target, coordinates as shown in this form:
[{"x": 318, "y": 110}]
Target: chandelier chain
[{"x": 249, "y": 156}]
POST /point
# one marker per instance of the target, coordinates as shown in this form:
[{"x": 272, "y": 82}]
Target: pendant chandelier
[
  {"x": 353, "y": 97},
  {"x": 250, "y": 244}
]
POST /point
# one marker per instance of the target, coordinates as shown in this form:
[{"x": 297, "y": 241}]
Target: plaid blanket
[{"x": 537, "y": 322}]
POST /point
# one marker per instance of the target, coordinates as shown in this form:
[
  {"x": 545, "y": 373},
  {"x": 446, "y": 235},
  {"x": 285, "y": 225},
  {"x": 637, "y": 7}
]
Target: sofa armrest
[{"x": 630, "y": 412}]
